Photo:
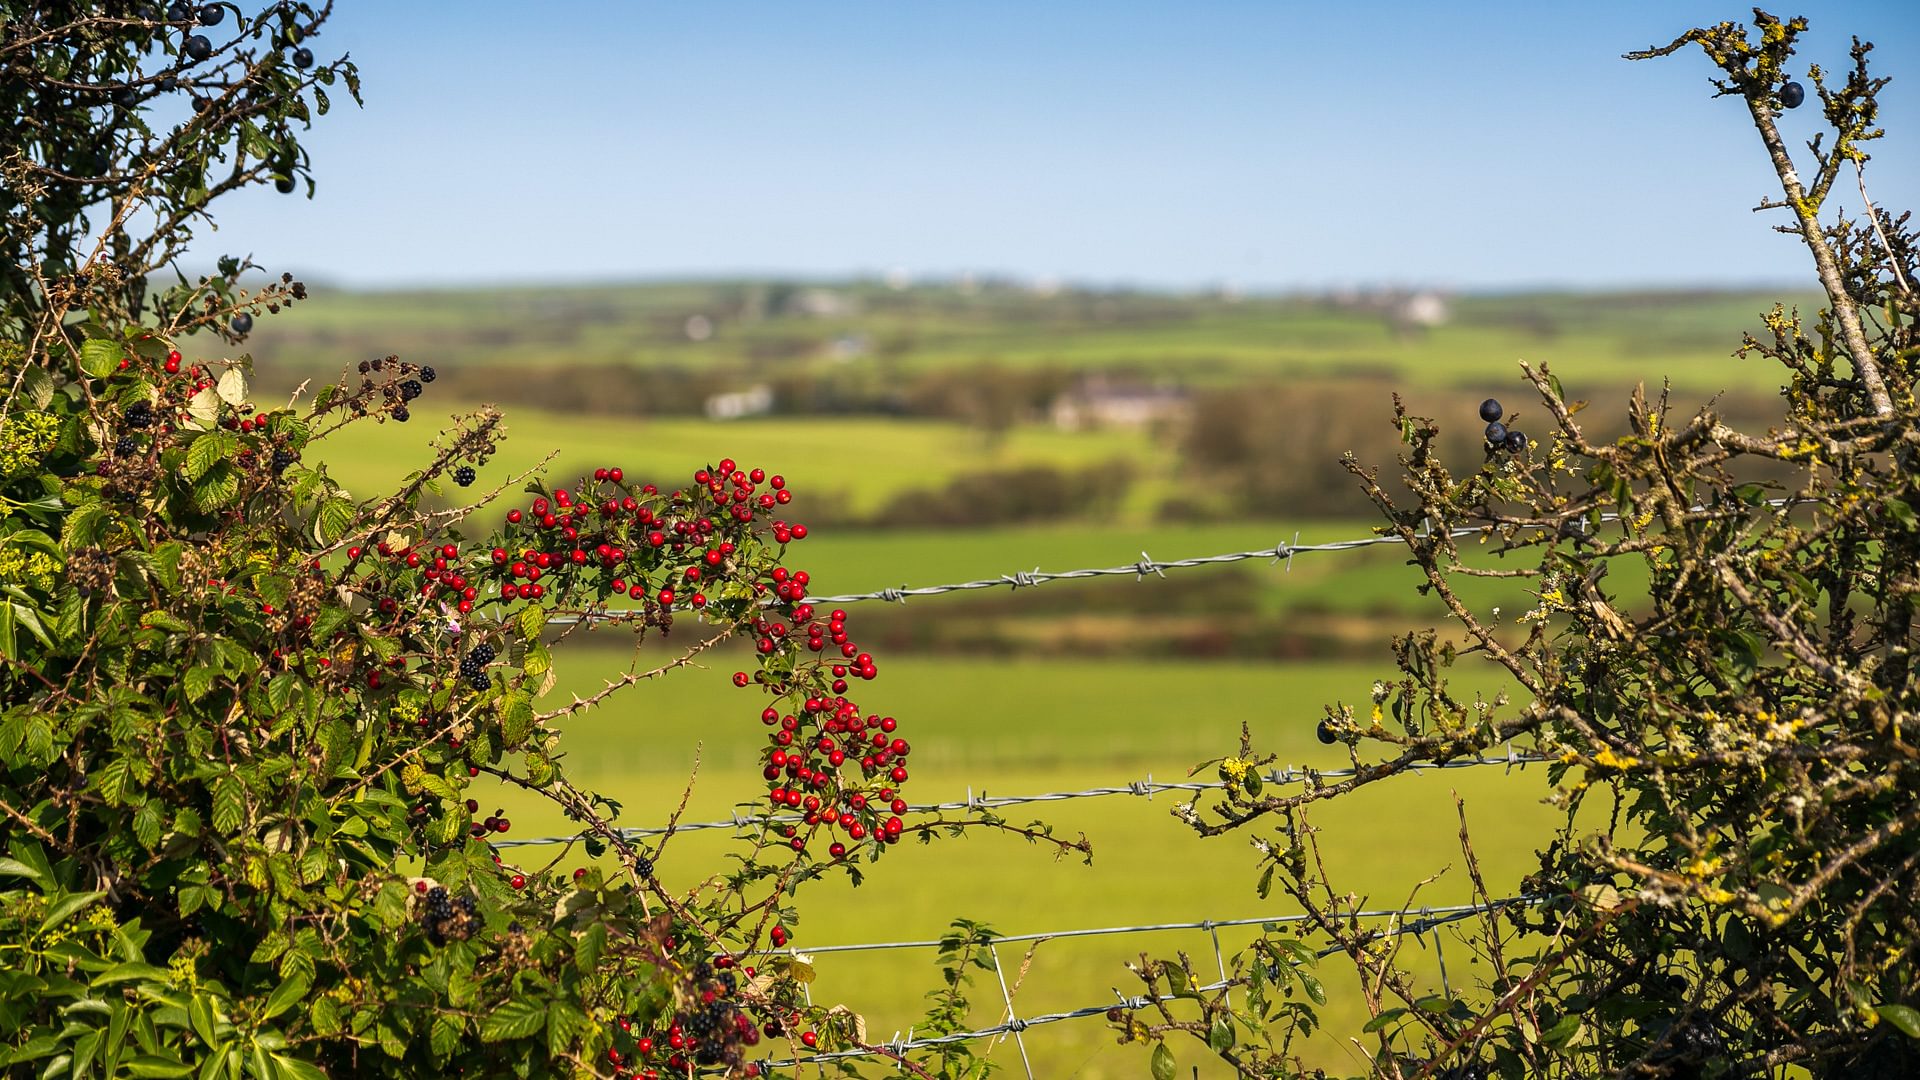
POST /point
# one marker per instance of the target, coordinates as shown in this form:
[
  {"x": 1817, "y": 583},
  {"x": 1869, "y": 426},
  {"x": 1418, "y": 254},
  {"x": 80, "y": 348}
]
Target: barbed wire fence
[
  {"x": 1418, "y": 922},
  {"x": 1287, "y": 774}
]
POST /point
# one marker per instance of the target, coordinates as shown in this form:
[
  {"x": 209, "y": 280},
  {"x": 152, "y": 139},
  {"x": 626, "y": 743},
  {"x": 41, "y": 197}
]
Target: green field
[
  {"x": 766, "y": 329},
  {"x": 1001, "y": 691},
  {"x": 1019, "y": 728}
]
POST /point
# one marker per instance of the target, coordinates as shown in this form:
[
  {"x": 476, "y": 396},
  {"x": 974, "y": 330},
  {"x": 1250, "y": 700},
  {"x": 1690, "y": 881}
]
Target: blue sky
[{"x": 1270, "y": 145}]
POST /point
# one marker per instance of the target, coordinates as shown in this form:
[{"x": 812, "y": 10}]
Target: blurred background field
[{"x": 965, "y": 431}]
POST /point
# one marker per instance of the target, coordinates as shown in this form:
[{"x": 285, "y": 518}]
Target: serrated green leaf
[
  {"x": 216, "y": 489},
  {"x": 533, "y": 621},
  {"x": 205, "y": 452},
  {"x": 514, "y": 1018},
  {"x": 100, "y": 357},
  {"x": 229, "y": 803},
  {"x": 516, "y": 720},
  {"x": 564, "y": 1022},
  {"x": 232, "y": 386},
  {"x": 198, "y": 681}
]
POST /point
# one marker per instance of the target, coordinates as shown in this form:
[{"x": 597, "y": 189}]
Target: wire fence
[
  {"x": 1282, "y": 552},
  {"x": 1148, "y": 788},
  {"x": 1416, "y": 922}
]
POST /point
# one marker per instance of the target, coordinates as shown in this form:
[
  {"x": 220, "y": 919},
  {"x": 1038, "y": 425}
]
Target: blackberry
[
  {"x": 365, "y": 367},
  {"x": 644, "y": 865},
  {"x": 464, "y": 476},
  {"x": 282, "y": 459},
  {"x": 139, "y": 414},
  {"x": 401, "y": 414},
  {"x": 427, "y": 374},
  {"x": 473, "y": 666},
  {"x": 410, "y": 389},
  {"x": 125, "y": 446},
  {"x": 445, "y": 918}
]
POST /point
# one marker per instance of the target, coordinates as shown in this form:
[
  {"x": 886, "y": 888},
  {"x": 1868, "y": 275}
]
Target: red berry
[
  {"x": 513, "y": 516},
  {"x": 518, "y": 881}
]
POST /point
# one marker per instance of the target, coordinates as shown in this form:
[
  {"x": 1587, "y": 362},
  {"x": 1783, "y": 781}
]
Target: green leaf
[
  {"x": 285, "y": 996},
  {"x": 100, "y": 357},
  {"x": 200, "y": 1015},
  {"x": 296, "y": 1069},
  {"x": 205, "y": 452},
  {"x": 229, "y": 803},
  {"x": 1383, "y": 1020},
  {"x": 1904, "y": 1017},
  {"x": 155, "y": 1066},
  {"x": 1564, "y": 1031},
  {"x": 216, "y": 489},
  {"x": 515, "y": 1018},
  {"x": 232, "y": 386},
  {"x": 1313, "y": 988},
  {"x": 130, "y": 970},
  {"x": 516, "y": 720},
  {"x": 564, "y": 1022},
  {"x": 333, "y": 520},
  {"x": 1162, "y": 1063},
  {"x": 67, "y": 907}
]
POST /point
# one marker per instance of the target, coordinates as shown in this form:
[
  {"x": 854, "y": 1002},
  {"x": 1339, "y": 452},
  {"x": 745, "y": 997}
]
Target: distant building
[
  {"x": 823, "y": 304},
  {"x": 756, "y": 401},
  {"x": 1103, "y": 402}
]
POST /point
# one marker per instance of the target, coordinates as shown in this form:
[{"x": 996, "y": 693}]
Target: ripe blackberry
[
  {"x": 644, "y": 865},
  {"x": 282, "y": 459},
  {"x": 125, "y": 446},
  {"x": 139, "y": 414},
  {"x": 365, "y": 367},
  {"x": 409, "y": 389},
  {"x": 473, "y": 666},
  {"x": 427, "y": 374},
  {"x": 464, "y": 476},
  {"x": 401, "y": 414},
  {"x": 445, "y": 918}
]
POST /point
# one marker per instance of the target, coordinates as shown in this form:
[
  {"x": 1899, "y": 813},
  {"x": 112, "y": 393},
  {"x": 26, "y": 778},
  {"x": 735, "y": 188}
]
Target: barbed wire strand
[
  {"x": 1288, "y": 774},
  {"x": 1279, "y": 553},
  {"x": 1428, "y": 919}
]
